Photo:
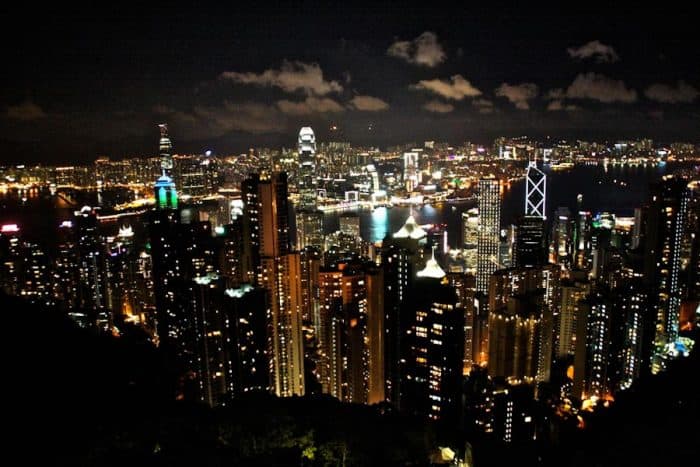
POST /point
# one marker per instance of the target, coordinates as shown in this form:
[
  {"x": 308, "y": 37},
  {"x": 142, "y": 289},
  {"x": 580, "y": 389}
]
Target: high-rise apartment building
[{"x": 488, "y": 238}]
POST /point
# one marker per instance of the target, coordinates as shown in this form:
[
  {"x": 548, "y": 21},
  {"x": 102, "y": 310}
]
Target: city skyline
[
  {"x": 316, "y": 234},
  {"x": 255, "y": 80}
]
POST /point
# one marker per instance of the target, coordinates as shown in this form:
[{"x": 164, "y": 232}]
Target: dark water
[{"x": 618, "y": 190}]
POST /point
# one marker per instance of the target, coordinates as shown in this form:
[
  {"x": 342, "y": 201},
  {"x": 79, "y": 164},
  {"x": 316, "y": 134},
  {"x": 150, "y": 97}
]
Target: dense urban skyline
[
  {"x": 88, "y": 82},
  {"x": 331, "y": 235}
]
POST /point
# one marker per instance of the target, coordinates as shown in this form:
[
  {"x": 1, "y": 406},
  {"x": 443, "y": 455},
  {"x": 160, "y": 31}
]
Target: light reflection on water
[{"x": 601, "y": 189}]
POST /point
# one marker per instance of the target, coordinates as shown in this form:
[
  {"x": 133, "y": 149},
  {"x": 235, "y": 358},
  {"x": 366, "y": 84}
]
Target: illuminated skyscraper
[
  {"x": 535, "y": 191},
  {"x": 165, "y": 147},
  {"x": 411, "y": 173},
  {"x": 435, "y": 350},
  {"x": 92, "y": 267},
  {"x": 561, "y": 242},
  {"x": 593, "y": 346},
  {"x": 530, "y": 249},
  {"x": 280, "y": 274},
  {"x": 516, "y": 309},
  {"x": 309, "y": 220},
  {"x": 488, "y": 239},
  {"x": 306, "y": 171},
  {"x": 666, "y": 224}
]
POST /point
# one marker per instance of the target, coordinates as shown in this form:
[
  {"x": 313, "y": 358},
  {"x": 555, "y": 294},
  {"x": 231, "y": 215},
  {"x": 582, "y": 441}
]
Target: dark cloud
[
  {"x": 26, "y": 112},
  {"x": 311, "y": 105},
  {"x": 456, "y": 88},
  {"x": 598, "y": 87},
  {"x": 213, "y": 121},
  {"x": 669, "y": 94},
  {"x": 518, "y": 94},
  {"x": 438, "y": 107},
  {"x": 559, "y": 105},
  {"x": 425, "y": 50},
  {"x": 291, "y": 77},
  {"x": 368, "y": 104},
  {"x": 596, "y": 50}
]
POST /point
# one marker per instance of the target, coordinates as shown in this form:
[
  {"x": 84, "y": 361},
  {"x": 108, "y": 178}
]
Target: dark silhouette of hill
[
  {"x": 80, "y": 398},
  {"x": 75, "y": 397}
]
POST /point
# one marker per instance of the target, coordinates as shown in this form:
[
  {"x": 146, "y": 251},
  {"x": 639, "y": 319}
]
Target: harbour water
[{"x": 616, "y": 189}]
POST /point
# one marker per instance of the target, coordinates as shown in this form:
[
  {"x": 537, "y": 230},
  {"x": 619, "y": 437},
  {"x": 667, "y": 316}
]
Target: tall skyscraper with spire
[
  {"x": 309, "y": 219},
  {"x": 165, "y": 146},
  {"x": 488, "y": 240},
  {"x": 530, "y": 249},
  {"x": 164, "y": 189},
  {"x": 306, "y": 171}
]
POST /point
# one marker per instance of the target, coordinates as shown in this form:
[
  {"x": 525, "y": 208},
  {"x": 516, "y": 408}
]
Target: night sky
[{"x": 78, "y": 83}]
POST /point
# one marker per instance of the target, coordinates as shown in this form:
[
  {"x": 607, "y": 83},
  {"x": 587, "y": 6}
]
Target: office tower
[
  {"x": 306, "y": 171},
  {"x": 280, "y": 274},
  {"x": 488, "y": 240},
  {"x": 92, "y": 290},
  {"x": 165, "y": 147},
  {"x": 506, "y": 246},
  {"x": 309, "y": 220},
  {"x": 165, "y": 193},
  {"x": 666, "y": 222},
  {"x": 470, "y": 228},
  {"x": 432, "y": 385},
  {"x": 309, "y": 229},
  {"x": 411, "y": 171},
  {"x": 190, "y": 175},
  {"x": 560, "y": 247},
  {"x": 210, "y": 167},
  {"x": 530, "y": 247},
  {"x": 535, "y": 191},
  {"x": 583, "y": 247}
]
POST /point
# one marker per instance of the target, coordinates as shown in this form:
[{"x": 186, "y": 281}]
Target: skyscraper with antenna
[
  {"x": 165, "y": 148},
  {"x": 535, "y": 191}
]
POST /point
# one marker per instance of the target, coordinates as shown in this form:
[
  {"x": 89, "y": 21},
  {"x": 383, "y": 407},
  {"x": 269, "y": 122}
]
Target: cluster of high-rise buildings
[{"x": 569, "y": 309}]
